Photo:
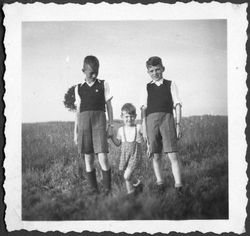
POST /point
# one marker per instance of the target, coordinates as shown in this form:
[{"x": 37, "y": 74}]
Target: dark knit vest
[
  {"x": 92, "y": 98},
  {"x": 159, "y": 98}
]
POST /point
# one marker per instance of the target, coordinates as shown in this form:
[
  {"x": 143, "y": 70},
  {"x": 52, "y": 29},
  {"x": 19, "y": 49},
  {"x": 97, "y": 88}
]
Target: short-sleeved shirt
[
  {"x": 107, "y": 94},
  {"x": 174, "y": 92},
  {"x": 130, "y": 134}
]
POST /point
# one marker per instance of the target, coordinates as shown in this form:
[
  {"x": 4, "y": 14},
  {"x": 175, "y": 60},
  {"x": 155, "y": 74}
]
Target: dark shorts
[
  {"x": 92, "y": 134},
  {"x": 161, "y": 132}
]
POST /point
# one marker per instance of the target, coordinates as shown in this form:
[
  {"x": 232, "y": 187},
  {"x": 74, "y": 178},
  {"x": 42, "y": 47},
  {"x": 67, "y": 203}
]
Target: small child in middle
[{"x": 129, "y": 136}]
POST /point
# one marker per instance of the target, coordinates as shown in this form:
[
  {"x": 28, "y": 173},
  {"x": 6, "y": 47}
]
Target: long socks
[
  {"x": 106, "y": 180},
  {"x": 91, "y": 177}
]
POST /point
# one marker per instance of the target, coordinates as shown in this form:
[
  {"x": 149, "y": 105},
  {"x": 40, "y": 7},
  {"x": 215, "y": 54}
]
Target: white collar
[
  {"x": 91, "y": 83},
  {"x": 158, "y": 82}
]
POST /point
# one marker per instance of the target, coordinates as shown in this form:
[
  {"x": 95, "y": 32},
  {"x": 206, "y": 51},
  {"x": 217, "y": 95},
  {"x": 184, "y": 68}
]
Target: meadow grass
[{"x": 54, "y": 186}]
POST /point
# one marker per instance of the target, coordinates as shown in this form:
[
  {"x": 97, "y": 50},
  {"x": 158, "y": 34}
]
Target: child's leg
[
  {"x": 106, "y": 171},
  {"x": 103, "y": 160},
  {"x": 89, "y": 161},
  {"x": 90, "y": 171},
  {"x": 128, "y": 182},
  {"x": 157, "y": 168},
  {"x": 175, "y": 168},
  {"x": 80, "y": 164}
]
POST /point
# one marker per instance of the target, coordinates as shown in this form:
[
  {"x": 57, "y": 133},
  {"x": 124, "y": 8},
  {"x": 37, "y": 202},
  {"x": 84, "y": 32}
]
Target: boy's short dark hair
[
  {"x": 92, "y": 61},
  {"x": 129, "y": 108},
  {"x": 154, "y": 61}
]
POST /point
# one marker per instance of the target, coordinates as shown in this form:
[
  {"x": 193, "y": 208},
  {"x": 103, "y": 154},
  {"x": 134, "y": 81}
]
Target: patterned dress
[{"x": 131, "y": 153}]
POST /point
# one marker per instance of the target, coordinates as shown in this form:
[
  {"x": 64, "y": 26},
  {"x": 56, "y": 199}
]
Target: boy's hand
[{"x": 110, "y": 131}]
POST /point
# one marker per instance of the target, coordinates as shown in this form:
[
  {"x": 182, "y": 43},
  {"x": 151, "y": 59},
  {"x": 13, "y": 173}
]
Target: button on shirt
[
  {"x": 174, "y": 92},
  {"x": 107, "y": 93}
]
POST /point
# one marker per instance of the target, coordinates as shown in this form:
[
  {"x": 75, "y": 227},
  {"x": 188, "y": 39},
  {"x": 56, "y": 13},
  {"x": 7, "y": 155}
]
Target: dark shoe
[
  {"x": 179, "y": 192},
  {"x": 160, "y": 189},
  {"x": 138, "y": 187},
  {"x": 91, "y": 178},
  {"x": 106, "y": 192},
  {"x": 130, "y": 196},
  {"x": 92, "y": 191},
  {"x": 106, "y": 181}
]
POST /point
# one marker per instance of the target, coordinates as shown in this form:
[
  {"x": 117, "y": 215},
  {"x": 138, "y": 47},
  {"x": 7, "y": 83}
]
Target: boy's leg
[
  {"x": 155, "y": 144},
  {"x": 128, "y": 182},
  {"x": 157, "y": 162},
  {"x": 103, "y": 160},
  {"x": 157, "y": 168},
  {"x": 90, "y": 171},
  {"x": 80, "y": 164},
  {"x": 89, "y": 161},
  {"x": 175, "y": 168},
  {"x": 106, "y": 171}
]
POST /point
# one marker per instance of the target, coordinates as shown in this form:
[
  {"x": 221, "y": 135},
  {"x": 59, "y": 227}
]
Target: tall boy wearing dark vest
[
  {"x": 90, "y": 135},
  {"x": 159, "y": 127}
]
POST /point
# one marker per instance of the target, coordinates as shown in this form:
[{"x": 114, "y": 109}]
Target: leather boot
[
  {"x": 91, "y": 178},
  {"x": 106, "y": 181}
]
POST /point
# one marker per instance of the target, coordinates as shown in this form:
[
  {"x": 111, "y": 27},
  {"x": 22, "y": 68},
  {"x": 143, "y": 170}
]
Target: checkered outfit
[{"x": 131, "y": 154}]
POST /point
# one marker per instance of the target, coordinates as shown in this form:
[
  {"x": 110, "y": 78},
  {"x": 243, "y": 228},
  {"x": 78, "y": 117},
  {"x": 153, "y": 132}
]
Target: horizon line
[{"x": 50, "y": 121}]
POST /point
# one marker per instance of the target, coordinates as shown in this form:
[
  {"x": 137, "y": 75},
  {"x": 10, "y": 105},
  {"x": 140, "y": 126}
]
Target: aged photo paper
[{"x": 18, "y": 16}]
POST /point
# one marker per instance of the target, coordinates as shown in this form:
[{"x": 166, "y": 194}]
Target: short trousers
[
  {"x": 131, "y": 156},
  {"x": 161, "y": 132},
  {"x": 92, "y": 133}
]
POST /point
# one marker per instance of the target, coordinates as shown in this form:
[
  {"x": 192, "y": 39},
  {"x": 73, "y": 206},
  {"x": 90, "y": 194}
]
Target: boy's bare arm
[
  {"x": 110, "y": 118},
  {"x": 143, "y": 117},
  {"x": 76, "y": 128},
  {"x": 110, "y": 111},
  {"x": 178, "y": 113},
  {"x": 178, "y": 120}
]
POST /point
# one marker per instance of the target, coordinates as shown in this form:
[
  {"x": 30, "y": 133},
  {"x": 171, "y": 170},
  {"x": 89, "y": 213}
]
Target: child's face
[
  {"x": 129, "y": 120},
  {"x": 156, "y": 72},
  {"x": 90, "y": 73}
]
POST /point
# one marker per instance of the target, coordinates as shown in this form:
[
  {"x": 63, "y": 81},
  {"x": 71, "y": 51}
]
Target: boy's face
[
  {"x": 90, "y": 73},
  {"x": 129, "y": 120},
  {"x": 156, "y": 72}
]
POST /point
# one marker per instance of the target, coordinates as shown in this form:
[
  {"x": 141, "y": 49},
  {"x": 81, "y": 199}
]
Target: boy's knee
[
  {"x": 103, "y": 160},
  {"x": 173, "y": 157},
  {"x": 157, "y": 157},
  {"x": 102, "y": 155},
  {"x": 89, "y": 157},
  {"x": 127, "y": 176},
  {"x": 89, "y": 160}
]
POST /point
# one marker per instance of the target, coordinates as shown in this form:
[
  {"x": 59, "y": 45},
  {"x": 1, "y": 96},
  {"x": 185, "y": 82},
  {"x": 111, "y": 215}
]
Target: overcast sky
[{"x": 194, "y": 53}]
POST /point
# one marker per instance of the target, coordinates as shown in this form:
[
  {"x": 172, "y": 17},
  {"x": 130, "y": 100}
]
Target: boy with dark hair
[
  {"x": 159, "y": 127},
  {"x": 90, "y": 134}
]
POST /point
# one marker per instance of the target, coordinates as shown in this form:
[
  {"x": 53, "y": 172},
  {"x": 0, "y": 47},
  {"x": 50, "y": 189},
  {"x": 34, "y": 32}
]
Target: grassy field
[{"x": 54, "y": 185}]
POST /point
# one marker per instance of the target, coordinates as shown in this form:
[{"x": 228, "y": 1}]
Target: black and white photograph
[{"x": 125, "y": 118}]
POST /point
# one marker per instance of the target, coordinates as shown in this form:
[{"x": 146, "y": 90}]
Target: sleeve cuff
[
  {"x": 178, "y": 103},
  {"x": 109, "y": 98}
]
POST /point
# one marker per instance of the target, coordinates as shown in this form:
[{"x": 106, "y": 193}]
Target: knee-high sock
[
  {"x": 91, "y": 177},
  {"x": 107, "y": 179}
]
